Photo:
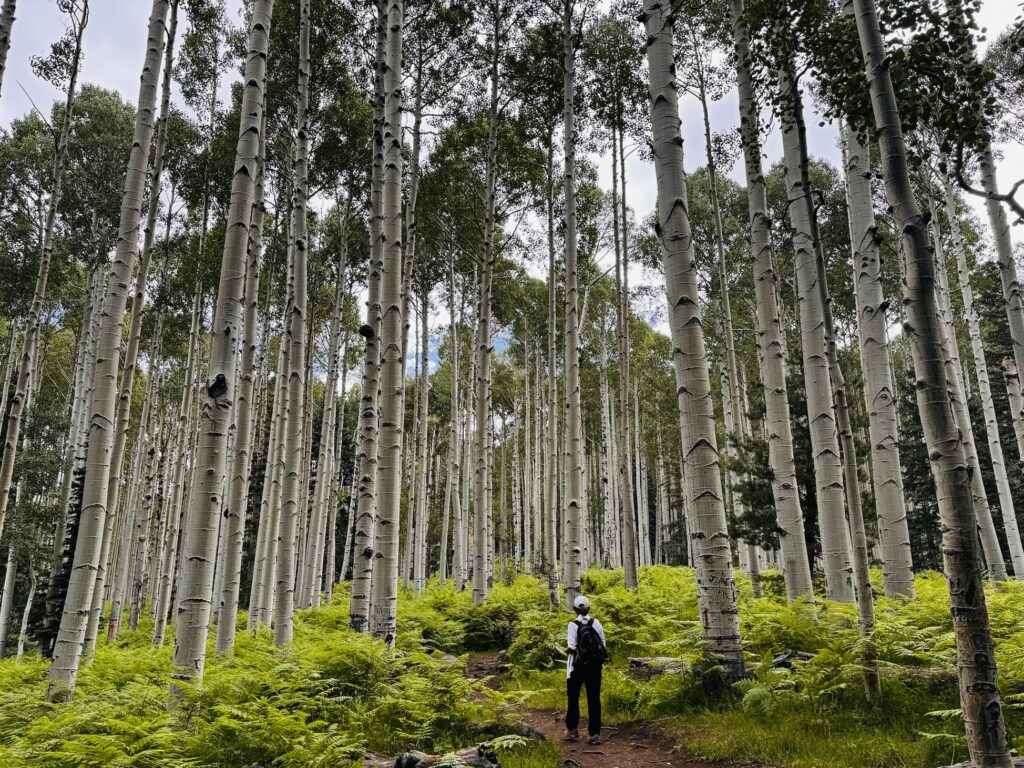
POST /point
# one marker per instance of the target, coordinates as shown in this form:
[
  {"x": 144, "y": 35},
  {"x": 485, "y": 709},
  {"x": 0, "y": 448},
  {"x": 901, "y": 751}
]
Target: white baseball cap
[{"x": 581, "y": 602}]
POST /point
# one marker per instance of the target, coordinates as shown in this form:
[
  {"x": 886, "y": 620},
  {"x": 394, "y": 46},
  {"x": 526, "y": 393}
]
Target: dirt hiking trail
[{"x": 623, "y": 745}]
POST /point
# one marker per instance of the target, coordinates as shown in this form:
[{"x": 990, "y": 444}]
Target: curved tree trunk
[
  {"x": 979, "y": 694},
  {"x": 200, "y": 540},
  {"x": 697, "y": 424},
  {"x": 75, "y": 616},
  {"x": 795, "y": 564}
]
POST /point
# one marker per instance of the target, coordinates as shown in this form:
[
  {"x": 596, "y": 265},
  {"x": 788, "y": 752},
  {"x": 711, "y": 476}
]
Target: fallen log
[
  {"x": 646, "y": 667},
  {"x": 480, "y": 756}
]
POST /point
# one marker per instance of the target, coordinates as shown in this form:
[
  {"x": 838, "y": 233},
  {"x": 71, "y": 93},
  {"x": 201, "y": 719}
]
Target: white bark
[
  {"x": 719, "y": 617},
  {"x": 7, "y": 600},
  {"x": 836, "y": 546},
  {"x": 879, "y": 399},
  {"x": 294, "y": 443},
  {"x": 200, "y": 540},
  {"x": 957, "y": 389},
  {"x": 241, "y": 456},
  {"x": 75, "y": 615},
  {"x": 368, "y": 449},
  {"x": 392, "y": 401},
  {"x": 6, "y": 24},
  {"x": 795, "y": 564},
  {"x": 979, "y": 694},
  {"x": 995, "y": 447},
  {"x": 573, "y": 408}
]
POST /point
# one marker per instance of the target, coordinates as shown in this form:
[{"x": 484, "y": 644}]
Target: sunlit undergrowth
[
  {"x": 322, "y": 701},
  {"x": 813, "y": 715},
  {"x": 333, "y": 694}
]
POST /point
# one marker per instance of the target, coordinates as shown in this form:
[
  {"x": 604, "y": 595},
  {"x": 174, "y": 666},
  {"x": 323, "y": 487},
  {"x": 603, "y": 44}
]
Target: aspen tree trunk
[
  {"x": 1011, "y": 381},
  {"x": 957, "y": 394},
  {"x": 730, "y": 390},
  {"x": 529, "y": 478},
  {"x": 795, "y": 564},
  {"x": 23, "y": 632},
  {"x": 453, "y": 437},
  {"x": 262, "y": 571},
  {"x": 697, "y": 425},
  {"x": 551, "y": 466},
  {"x": 200, "y": 540},
  {"x": 346, "y": 558},
  {"x": 30, "y": 344},
  {"x": 872, "y": 330},
  {"x": 979, "y": 694},
  {"x": 422, "y": 513},
  {"x": 851, "y": 480},
  {"x": 75, "y": 616},
  {"x": 836, "y": 546},
  {"x": 573, "y": 409},
  {"x": 6, "y": 24},
  {"x": 284, "y": 600},
  {"x": 609, "y": 559},
  {"x": 995, "y": 447},
  {"x": 121, "y": 422},
  {"x": 326, "y": 471},
  {"x": 481, "y": 466},
  {"x": 7, "y": 600},
  {"x": 143, "y": 446},
  {"x": 392, "y": 403},
  {"x": 621, "y": 445},
  {"x": 367, "y": 453},
  {"x": 241, "y": 457}
]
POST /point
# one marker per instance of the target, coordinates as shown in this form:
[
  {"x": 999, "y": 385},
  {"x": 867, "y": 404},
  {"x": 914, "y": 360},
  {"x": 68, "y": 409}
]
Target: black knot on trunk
[
  {"x": 366, "y": 331},
  {"x": 217, "y": 387}
]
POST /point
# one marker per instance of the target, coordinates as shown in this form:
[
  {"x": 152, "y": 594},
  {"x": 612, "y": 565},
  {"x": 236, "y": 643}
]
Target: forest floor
[{"x": 623, "y": 745}]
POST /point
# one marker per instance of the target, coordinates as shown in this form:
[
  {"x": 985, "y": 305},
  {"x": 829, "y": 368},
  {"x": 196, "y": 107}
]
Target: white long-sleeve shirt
[{"x": 571, "y": 639}]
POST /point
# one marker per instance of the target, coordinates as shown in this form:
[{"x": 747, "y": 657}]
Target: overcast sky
[{"x": 115, "y": 46}]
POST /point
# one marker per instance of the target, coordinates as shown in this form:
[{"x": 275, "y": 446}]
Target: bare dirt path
[{"x": 623, "y": 745}]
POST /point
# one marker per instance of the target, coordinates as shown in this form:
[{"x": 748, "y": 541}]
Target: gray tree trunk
[
  {"x": 879, "y": 399},
  {"x": 392, "y": 401},
  {"x": 697, "y": 425},
  {"x": 200, "y": 540},
  {"x": 103, "y": 406},
  {"x": 979, "y": 693},
  {"x": 795, "y": 564}
]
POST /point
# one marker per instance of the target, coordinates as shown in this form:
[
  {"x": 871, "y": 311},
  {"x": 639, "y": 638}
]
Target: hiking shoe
[
  {"x": 572, "y": 735},
  {"x": 594, "y": 739}
]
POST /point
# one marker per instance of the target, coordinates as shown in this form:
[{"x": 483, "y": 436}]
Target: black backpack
[{"x": 590, "y": 650}]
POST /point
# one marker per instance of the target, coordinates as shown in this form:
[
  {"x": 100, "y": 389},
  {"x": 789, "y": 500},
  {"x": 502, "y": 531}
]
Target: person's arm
[
  {"x": 600, "y": 631},
  {"x": 570, "y": 646}
]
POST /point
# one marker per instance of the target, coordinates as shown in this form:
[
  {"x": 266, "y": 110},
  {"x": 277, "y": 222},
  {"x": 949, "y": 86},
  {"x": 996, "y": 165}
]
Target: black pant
[{"x": 591, "y": 679}]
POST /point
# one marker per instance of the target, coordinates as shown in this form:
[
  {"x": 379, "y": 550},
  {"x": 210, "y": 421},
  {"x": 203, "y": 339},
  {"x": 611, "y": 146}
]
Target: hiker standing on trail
[{"x": 587, "y": 654}]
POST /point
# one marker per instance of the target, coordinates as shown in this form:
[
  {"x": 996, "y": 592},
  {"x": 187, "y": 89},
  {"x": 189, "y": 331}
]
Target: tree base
[
  {"x": 1016, "y": 762},
  {"x": 480, "y": 756}
]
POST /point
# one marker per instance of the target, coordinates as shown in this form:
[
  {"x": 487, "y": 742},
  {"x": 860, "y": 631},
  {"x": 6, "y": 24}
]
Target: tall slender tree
[
  {"x": 720, "y": 617},
  {"x": 200, "y": 539},
  {"x": 972, "y": 632}
]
